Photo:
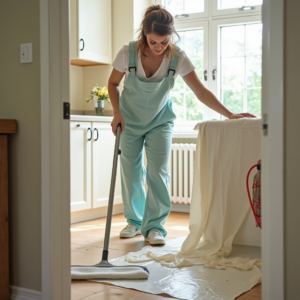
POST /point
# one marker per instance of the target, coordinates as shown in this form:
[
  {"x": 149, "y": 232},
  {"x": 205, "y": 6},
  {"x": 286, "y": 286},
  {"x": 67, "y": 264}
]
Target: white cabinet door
[
  {"x": 102, "y": 155},
  {"x": 80, "y": 144},
  {"x": 94, "y": 29}
]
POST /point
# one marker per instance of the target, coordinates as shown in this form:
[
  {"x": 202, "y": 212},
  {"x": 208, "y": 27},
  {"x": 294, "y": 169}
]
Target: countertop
[
  {"x": 179, "y": 130},
  {"x": 87, "y": 118}
]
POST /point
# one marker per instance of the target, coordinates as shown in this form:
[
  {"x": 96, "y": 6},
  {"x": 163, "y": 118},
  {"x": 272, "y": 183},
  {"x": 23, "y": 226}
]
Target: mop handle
[{"x": 112, "y": 189}]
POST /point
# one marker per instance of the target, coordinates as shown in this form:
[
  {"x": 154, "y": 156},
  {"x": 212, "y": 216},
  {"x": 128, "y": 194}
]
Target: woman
[{"x": 150, "y": 66}]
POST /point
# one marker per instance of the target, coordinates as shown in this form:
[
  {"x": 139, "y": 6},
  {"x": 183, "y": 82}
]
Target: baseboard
[
  {"x": 18, "y": 293},
  {"x": 95, "y": 213},
  {"x": 179, "y": 207}
]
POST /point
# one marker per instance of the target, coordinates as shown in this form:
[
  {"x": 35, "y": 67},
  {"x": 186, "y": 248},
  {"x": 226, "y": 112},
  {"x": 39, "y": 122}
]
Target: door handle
[{"x": 214, "y": 72}]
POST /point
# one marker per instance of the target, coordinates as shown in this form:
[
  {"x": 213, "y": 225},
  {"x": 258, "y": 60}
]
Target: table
[{"x": 6, "y": 127}]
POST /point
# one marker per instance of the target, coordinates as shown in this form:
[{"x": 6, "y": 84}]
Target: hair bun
[
  {"x": 153, "y": 8},
  {"x": 156, "y": 7}
]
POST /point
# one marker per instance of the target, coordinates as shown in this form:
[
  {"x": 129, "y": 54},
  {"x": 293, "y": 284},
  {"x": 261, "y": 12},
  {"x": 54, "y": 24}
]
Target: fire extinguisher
[{"x": 256, "y": 201}]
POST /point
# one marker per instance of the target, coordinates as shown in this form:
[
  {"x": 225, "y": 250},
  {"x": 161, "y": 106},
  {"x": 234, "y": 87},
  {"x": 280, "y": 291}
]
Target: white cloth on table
[{"x": 225, "y": 152}]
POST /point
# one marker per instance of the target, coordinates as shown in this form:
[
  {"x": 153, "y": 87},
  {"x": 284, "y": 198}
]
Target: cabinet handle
[
  {"x": 205, "y": 75},
  {"x": 96, "y": 139},
  {"x": 89, "y": 129},
  {"x": 81, "y": 40},
  {"x": 78, "y": 125}
]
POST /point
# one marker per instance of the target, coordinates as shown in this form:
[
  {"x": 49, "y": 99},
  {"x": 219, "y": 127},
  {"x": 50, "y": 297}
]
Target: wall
[
  {"x": 20, "y": 100},
  {"x": 292, "y": 149},
  {"x": 76, "y": 88}
]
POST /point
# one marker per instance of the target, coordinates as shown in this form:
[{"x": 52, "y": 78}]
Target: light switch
[{"x": 26, "y": 53}]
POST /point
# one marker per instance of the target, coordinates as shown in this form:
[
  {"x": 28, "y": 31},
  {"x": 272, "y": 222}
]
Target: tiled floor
[{"x": 86, "y": 248}]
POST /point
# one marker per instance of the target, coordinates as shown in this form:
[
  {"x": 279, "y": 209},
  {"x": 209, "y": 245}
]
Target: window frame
[
  {"x": 233, "y": 11},
  {"x": 215, "y": 51}
]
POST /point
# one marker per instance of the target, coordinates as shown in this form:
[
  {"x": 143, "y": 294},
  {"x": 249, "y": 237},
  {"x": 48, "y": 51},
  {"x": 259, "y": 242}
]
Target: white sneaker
[
  {"x": 130, "y": 231},
  {"x": 155, "y": 237}
]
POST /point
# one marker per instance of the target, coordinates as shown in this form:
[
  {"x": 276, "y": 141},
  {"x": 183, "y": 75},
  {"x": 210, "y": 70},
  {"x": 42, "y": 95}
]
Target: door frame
[
  {"x": 55, "y": 150},
  {"x": 55, "y": 145},
  {"x": 273, "y": 150}
]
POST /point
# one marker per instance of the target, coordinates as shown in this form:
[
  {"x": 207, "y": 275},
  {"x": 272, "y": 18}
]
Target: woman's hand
[
  {"x": 241, "y": 115},
  {"x": 118, "y": 118}
]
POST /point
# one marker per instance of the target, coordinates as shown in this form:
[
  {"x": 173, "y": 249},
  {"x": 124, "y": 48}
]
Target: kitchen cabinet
[
  {"x": 81, "y": 165},
  {"x": 92, "y": 149},
  {"x": 90, "y": 32}
]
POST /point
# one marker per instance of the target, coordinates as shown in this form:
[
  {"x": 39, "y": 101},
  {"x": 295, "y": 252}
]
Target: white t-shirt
[{"x": 184, "y": 66}]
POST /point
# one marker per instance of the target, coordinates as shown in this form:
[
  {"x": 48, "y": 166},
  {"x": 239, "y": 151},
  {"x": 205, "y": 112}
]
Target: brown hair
[{"x": 159, "y": 21}]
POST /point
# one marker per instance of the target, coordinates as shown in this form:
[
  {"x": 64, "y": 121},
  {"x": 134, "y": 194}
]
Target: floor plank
[{"x": 87, "y": 240}]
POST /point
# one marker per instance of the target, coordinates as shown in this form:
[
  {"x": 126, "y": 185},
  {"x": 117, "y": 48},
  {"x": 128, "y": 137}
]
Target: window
[
  {"x": 240, "y": 67},
  {"x": 179, "y": 7},
  {"x": 186, "y": 106},
  {"x": 223, "y": 38},
  {"x": 225, "y": 4}
]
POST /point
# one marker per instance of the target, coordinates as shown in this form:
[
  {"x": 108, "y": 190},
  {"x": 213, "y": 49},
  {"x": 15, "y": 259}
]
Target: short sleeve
[
  {"x": 184, "y": 65},
  {"x": 120, "y": 62}
]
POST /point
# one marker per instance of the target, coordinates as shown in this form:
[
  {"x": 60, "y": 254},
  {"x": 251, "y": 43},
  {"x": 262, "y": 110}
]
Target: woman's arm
[
  {"x": 113, "y": 91},
  {"x": 208, "y": 98}
]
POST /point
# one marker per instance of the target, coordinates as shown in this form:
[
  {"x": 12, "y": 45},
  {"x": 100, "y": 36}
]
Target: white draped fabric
[{"x": 225, "y": 152}]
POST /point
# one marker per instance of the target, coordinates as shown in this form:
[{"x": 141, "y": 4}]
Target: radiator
[{"x": 182, "y": 169}]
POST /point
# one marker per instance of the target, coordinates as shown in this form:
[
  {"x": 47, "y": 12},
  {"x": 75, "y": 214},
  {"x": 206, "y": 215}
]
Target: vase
[{"x": 99, "y": 107}]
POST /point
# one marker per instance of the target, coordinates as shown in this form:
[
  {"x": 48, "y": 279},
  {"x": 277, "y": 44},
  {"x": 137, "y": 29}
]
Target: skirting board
[
  {"x": 179, "y": 207},
  {"x": 18, "y": 293},
  {"x": 95, "y": 213}
]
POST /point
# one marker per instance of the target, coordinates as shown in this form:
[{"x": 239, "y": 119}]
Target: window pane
[
  {"x": 178, "y": 105},
  {"x": 254, "y": 2},
  {"x": 179, "y": 85},
  {"x": 185, "y": 103},
  {"x": 232, "y": 73},
  {"x": 233, "y": 100},
  {"x": 225, "y": 4},
  {"x": 253, "y": 71},
  {"x": 194, "y": 108},
  {"x": 178, "y": 7},
  {"x": 254, "y": 102},
  {"x": 233, "y": 41},
  {"x": 199, "y": 68},
  {"x": 254, "y": 39},
  {"x": 241, "y": 64},
  {"x": 192, "y": 43}
]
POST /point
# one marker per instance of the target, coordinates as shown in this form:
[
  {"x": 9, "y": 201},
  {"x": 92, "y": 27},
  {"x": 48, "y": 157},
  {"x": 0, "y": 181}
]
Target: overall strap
[
  {"x": 132, "y": 57},
  {"x": 173, "y": 62}
]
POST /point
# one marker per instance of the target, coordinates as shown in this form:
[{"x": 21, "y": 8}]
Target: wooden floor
[{"x": 86, "y": 249}]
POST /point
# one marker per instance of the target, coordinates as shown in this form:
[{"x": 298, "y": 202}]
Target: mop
[{"x": 104, "y": 269}]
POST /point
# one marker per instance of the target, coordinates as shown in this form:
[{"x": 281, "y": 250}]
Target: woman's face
[{"x": 157, "y": 43}]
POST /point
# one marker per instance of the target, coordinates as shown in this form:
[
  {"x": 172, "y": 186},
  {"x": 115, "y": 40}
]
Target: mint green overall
[{"x": 147, "y": 111}]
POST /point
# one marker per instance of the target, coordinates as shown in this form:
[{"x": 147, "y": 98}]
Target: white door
[
  {"x": 95, "y": 30},
  {"x": 102, "y": 160},
  {"x": 80, "y": 149}
]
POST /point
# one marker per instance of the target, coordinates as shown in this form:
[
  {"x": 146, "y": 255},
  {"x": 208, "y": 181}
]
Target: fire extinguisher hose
[{"x": 257, "y": 218}]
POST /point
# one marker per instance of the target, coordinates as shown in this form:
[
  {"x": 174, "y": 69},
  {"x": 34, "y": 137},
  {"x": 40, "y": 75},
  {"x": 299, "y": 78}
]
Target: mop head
[{"x": 115, "y": 272}]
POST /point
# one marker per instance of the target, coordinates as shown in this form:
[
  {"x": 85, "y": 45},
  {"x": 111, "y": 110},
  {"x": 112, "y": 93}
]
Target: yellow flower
[
  {"x": 100, "y": 92},
  {"x": 104, "y": 90}
]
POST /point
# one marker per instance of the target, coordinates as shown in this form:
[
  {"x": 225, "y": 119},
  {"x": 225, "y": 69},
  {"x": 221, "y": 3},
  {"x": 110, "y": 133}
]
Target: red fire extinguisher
[{"x": 256, "y": 201}]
